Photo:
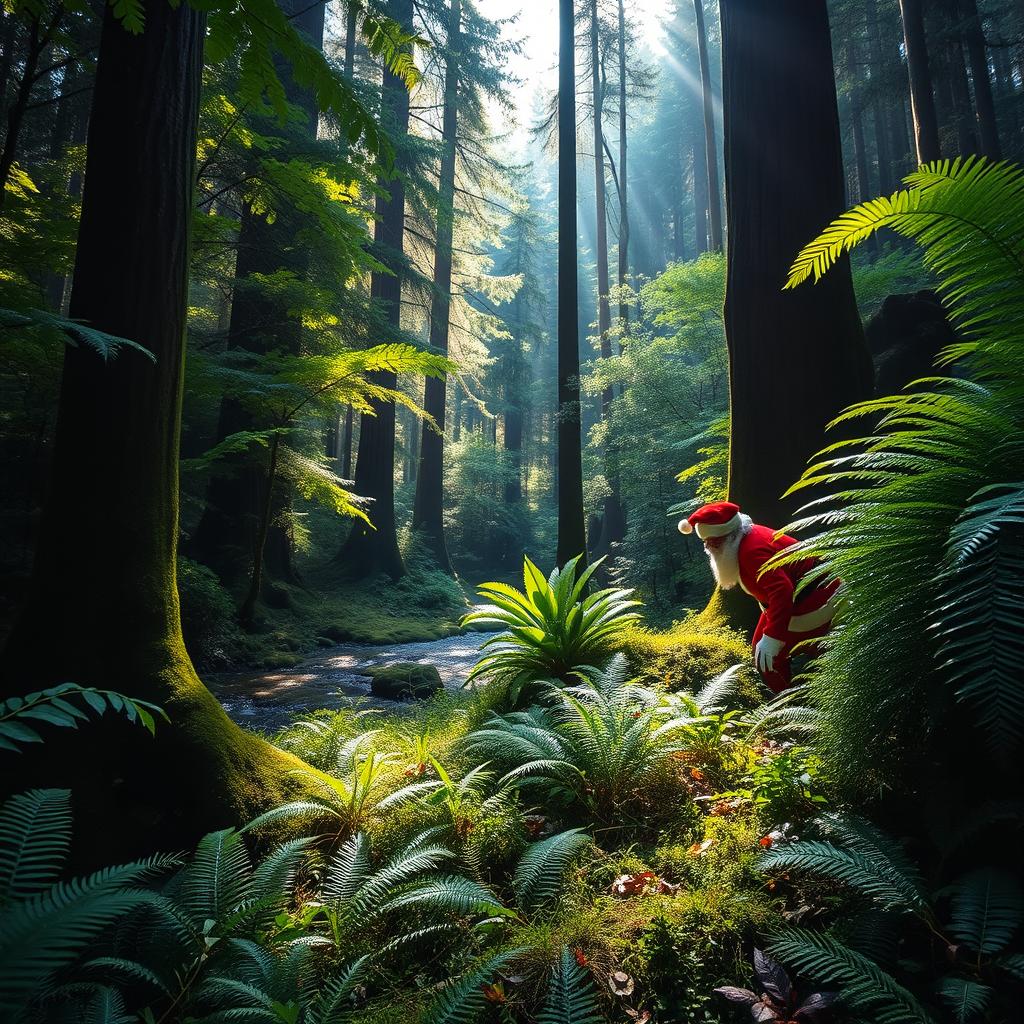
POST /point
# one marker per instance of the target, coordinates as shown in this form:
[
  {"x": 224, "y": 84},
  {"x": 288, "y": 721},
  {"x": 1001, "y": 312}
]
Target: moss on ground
[{"x": 688, "y": 654}]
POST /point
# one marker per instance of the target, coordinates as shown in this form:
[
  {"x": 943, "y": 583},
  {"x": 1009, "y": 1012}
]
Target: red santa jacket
[{"x": 813, "y": 607}]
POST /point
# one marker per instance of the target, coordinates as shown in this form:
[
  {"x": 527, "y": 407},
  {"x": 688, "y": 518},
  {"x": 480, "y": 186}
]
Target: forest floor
[{"x": 335, "y": 678}]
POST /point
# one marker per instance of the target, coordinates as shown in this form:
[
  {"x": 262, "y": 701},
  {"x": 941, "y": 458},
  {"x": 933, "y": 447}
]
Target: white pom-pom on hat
[{"x": 685, "y": 527}]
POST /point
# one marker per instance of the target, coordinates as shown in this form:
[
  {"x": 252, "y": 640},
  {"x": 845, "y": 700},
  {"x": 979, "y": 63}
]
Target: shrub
[
  {"x": 208, "y": 616},
  {"x": 552, "y": 629},
  {"x": 686, "y": 656}
]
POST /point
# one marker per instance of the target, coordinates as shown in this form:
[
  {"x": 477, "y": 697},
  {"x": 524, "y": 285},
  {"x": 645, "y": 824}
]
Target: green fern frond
[
  {"x": 463, "y": 1001},
  {"x": 967, "y": 999},
  {"x": 538, "y": 877},
  {"x": 866, "y": 988},
  {"x": 572, "y": 998},
  {"x": 35, "y": 837},
  {"x": 986, "y": 909}
]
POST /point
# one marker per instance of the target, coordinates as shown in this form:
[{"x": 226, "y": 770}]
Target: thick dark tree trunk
[
  {"x": 104, "y": 576},
  {"x": 710, "y": 145},
  {"x": 571, "y": 531},
  {"x": 227, "y": 534},
  {"x": 700, "y": 191},
  {"x": 345, "y": 457},
  {"x": 922, "y": 100},
  {"x": 974, "y": 38},
  {"x": 368, "y": 552},
  {"x": 784, "y": 183},
  {"x": 428, "y": 509}
]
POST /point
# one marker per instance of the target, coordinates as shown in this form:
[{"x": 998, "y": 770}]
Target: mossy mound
[
  {"x": 404, "y": 680},
  {"x": 688, "y": 654}
]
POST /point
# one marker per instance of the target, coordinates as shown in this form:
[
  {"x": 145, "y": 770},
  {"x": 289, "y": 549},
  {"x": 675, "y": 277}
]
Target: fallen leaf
[
  {"x": 700, "y": 848},
  {"x": 621, "y": 983},
  {"x": 580, "y": 957},
  {"x": 494, "y": 993}
]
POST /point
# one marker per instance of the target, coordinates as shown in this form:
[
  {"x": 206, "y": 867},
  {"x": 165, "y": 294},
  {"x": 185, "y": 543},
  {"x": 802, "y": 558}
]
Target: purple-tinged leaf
[
  {"x": 743, "y": 996},
  {"x": 762, "y": 1013},
  {"x": 772, "y": 976},
  {"x": 816, "y": 1007}
]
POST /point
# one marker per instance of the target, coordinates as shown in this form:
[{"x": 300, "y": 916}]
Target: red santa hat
[{"x": 714, "y": 520}]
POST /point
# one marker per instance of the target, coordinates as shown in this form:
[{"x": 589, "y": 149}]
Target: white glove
[{"x": 765, "y": 653}]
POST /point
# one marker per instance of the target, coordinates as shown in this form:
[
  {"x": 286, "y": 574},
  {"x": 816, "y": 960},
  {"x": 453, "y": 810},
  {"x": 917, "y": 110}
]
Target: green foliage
[
  {"x": 539, "y": 874},
  {"x": 571, "y": 997},
  {"x": 920, "y": 518},
  {"x": 46, "y": 924},
  {"x": 65, "y": 706},
  {"x": 977, "y": 915},
  {"x": 552, "y": 628},
  {"x": 76, "y": 333},
  {"x": 208, "y": 620}
]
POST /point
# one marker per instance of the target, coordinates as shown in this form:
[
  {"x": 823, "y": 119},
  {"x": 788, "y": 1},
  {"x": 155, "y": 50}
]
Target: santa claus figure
[{"x": 738, "y": 550}]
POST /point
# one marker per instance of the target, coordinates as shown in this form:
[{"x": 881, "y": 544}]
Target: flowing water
[{"x": 267, "y": 699}]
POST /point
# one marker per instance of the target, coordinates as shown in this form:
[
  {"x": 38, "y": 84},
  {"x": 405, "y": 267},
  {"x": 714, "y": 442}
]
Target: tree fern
[
  {"x": 572, "y": 998},
  {"x": 921, "y": 517}
]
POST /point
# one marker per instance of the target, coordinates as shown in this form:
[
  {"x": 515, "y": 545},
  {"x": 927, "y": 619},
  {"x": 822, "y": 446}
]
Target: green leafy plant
[
  {"x": 964, "y": 931},
  {"x": 921, "y": 518},
  {"x": 65, "y": 706},
  {"x": 345, "y": 798},
  {"x": 596, "y": 746},
  {"x": 46, "y": 924},
  {"x": 552, "y": 630}
]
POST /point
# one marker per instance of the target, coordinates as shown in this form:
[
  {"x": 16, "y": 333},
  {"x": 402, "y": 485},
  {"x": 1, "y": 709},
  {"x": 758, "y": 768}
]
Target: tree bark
[
  {"x": 880, "y": 114},
  {"x": 700, "y": 191},
  {"x": 623, "y": 177},
  {"x": 974, "y": 38},
  {"x": 227, "y": 534},
  {"x": 104, "y": 574},
  {"x": 368, "y": 552},
  {"x": 710, "y": 145},
  {"x": 922, "y": 100},
  {"x": 571, "y": 530},
  {"x": 604, "y": 319},
  {"x": 784, "y": 183},
  {"x": 428, "y": 508}
]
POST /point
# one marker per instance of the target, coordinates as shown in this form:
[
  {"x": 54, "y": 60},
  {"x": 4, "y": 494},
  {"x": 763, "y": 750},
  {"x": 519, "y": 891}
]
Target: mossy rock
[
  {"x": 336, "y": 633},
  {"x": 404, "y": 681}
]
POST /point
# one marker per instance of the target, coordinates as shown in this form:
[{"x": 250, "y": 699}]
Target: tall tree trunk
[
  {"x": 623, "y": 177},
  {"x": 428, "y": 508},
  {"x": 880, "y": 114},
  {"x": 700, "y": 191},
  {"x": 974, "y": 38},
  {"x": 922, "y": 100},
  {"x": 38, "y": 39},
  {"x": 710, "y": 145},
  {"x": 346, "y": 444},
  {"x": 227, "y": 535},
  {"x": 571, "y": 531},
  {"x": 784, "y": 183},
  {"x": 604, "y": 318},
  {"x": 368, "y": 552},
  {"x": 104, "y": 575}
]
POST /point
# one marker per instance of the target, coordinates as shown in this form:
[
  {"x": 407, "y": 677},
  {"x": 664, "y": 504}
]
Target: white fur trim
[
  {"x": 705, "y": 530},
  {"x": 685, "y": 528}
]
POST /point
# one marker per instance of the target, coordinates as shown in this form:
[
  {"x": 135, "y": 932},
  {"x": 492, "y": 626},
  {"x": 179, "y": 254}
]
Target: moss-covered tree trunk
[
  {"x": 795, "y": 357},
  {"x": 368, "y": 552},
  {"x": 428, "y": 507},
  {"x": 102, "y": 607}
]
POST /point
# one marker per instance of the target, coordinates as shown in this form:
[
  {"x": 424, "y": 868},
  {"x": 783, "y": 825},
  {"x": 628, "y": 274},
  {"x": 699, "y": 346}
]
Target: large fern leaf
[
  {"x": 35, "y": 835},
  {"x": 538, "y": 877},
  {"x": 572, "y": 998}
]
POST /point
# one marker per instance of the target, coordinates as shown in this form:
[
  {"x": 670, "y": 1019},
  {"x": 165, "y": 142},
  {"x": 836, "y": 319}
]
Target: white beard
[{"x": 725, "y": 561}]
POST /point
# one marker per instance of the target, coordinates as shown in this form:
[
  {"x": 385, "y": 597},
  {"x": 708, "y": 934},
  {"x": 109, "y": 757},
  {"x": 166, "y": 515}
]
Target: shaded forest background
[{"x": 289, "y": 272}]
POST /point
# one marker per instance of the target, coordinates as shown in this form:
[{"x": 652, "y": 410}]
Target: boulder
[{"x": 404, "y": 681}]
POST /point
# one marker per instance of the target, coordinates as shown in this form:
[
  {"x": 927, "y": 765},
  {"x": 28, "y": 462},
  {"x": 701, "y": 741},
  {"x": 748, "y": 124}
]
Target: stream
[{"x": 267, "y": 699}]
